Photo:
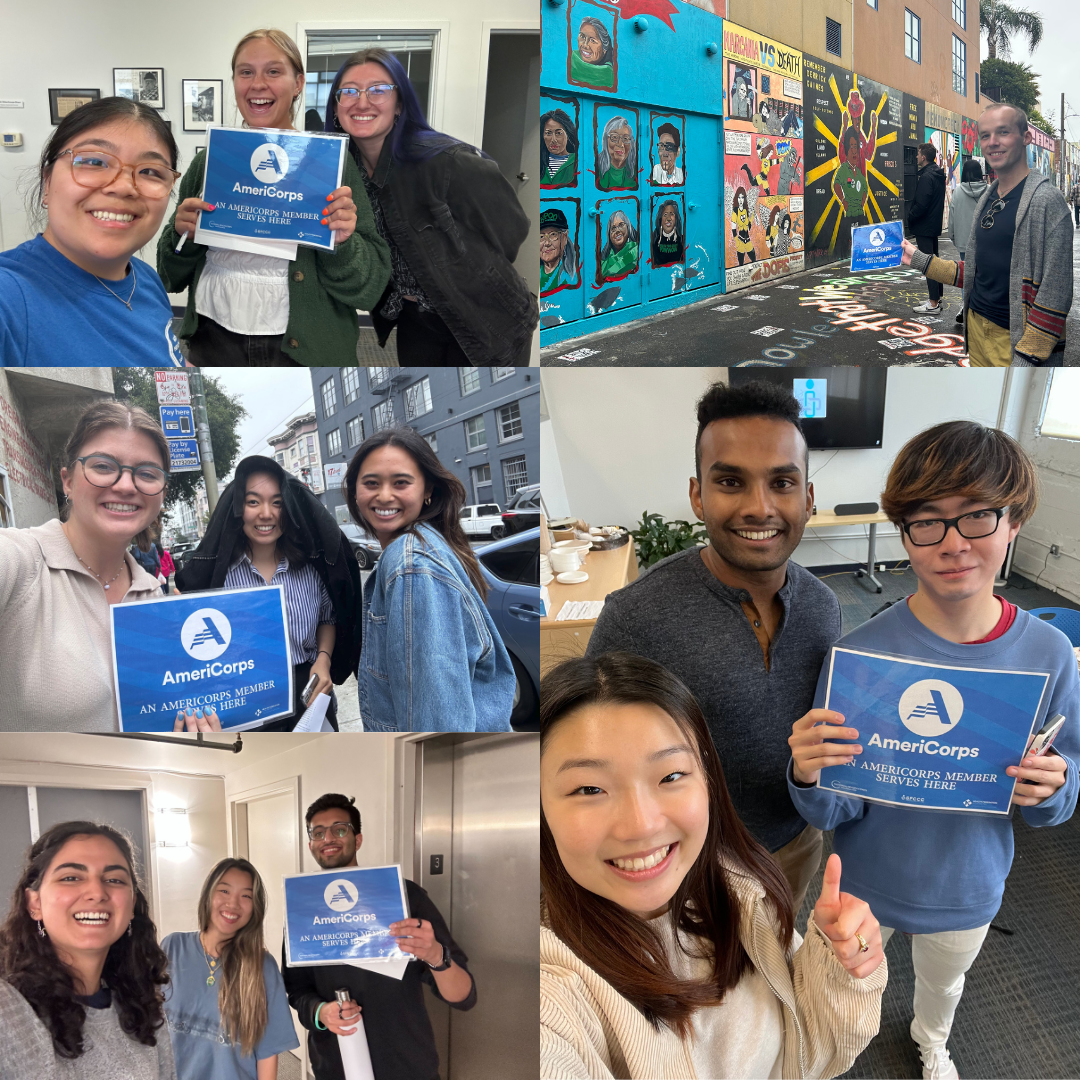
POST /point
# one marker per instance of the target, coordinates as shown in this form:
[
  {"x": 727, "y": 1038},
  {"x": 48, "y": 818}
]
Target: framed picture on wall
[
  {"x": 202, "y": 103},
  {"x": 62, "y": 102},
  {"x": 141, "y": 84}
]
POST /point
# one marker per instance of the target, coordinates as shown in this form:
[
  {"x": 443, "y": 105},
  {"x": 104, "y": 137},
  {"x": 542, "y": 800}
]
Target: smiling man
[{"x": 741, "y": 625}]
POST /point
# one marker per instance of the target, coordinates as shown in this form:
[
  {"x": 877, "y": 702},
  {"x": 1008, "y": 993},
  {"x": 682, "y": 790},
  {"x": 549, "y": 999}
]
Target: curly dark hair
[
  {"x": 332, "y": 801},
  {"x": 134, "y": 968}
]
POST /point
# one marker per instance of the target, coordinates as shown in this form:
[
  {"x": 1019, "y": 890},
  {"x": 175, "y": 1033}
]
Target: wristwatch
[{"x": 445, "y": 960}]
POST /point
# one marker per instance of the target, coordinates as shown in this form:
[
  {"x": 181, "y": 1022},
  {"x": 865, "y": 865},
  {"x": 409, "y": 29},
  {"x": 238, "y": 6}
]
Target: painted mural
[
  {"x": 561, "y": 270},
  {"x": 559, "y": 141},
  {"x": 970, "y": 146},
  {"x": 618, "y": 242},
  {"x": 763, "y": 157},
  {"x": 854, "y": 171},
  {"x": 666, "y": 154},
  {"x": 948, "y": 157},
  {"x": 1040, "y": 152},
  {"x": 592, "y": 57},
  {"x": 668, "y": 243},
  {"x": 615, "y": 141}
]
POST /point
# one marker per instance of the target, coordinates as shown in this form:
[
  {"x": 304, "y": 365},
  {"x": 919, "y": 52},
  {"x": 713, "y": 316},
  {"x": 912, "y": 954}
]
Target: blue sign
[
  {"x": 933, "y": 736},
  {"x": 877, "y": 247},
  {"x": 812, "y": 396},
  {"x": 177, "y": 421},
  {"x": 183, "y": 455},
  {"x": 338, "y": 916},
  {"x": 227, "y": 650},
  {"x": 268, "y": 184}
]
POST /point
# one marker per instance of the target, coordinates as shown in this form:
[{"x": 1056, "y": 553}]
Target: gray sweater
[
  {"x": 681, "y": 616},
  {"x": 26, "y": 1049}
]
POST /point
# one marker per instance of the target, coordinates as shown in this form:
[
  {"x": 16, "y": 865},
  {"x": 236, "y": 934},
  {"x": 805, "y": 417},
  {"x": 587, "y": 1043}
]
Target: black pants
[
  {"x": 213, "y": 346},
  {"x": 424, "y": 340},
  {"x": 301, "y": 674},
  {"x": 1077, "y": 209},
  {"x": 928, "y": 244}
]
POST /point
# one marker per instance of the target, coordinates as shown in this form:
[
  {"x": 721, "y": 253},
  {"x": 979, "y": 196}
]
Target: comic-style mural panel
[
  {"x": 615, "y": 142},
  {"x": 560, "y": 261},
  {"x": 592, "y": 46},
  {"x": 667, "y": 148},
  {"x": 1040, "y": 152},
  {"x": 854, "y": 152},
  {"x": 762, "y": 84},
  {"x": 970, "y": 146},
  {"x": 559, "y": 140},
  {"x": 948, "y": 157}
]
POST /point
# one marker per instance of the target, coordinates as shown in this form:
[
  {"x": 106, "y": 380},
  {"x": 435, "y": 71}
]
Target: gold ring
[{"x": 862, "y": 942}]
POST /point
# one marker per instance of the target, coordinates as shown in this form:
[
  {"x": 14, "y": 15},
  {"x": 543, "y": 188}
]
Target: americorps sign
[{"x": 227, "y": 650}]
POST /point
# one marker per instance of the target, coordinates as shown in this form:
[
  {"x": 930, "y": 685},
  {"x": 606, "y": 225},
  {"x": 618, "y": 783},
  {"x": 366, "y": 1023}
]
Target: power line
[{"x": 277, "y": 427}]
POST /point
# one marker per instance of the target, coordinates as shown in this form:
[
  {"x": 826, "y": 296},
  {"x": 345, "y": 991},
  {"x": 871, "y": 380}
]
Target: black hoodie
[
  {"x": 312, "y": 529},
  {"x": 928, "y": 205}
]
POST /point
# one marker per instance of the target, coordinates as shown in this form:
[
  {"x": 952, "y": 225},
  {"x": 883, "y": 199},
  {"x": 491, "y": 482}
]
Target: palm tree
[{"x": 1001, "y": 21}]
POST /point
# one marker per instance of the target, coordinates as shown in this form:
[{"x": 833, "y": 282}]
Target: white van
[{"x": 484, "y": 519}]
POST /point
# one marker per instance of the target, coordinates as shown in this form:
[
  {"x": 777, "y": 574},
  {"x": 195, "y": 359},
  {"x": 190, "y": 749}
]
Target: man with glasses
[
  {"x": 396, "y": 1022},
  {"x": 666, "y": 173},
  {"x": 1017, "y": 270},
  {"x": 960, "y": 493}
]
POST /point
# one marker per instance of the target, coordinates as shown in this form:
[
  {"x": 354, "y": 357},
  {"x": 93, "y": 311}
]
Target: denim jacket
[{"x": 432, "y": 659}]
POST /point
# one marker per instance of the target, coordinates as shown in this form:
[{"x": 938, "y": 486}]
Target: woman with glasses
[
  {"x": 75, "y": 294},
  {"x": 245, "y": 309},
  {"x": 58, "y": 580},
  {"x": 453, "y": 223}
]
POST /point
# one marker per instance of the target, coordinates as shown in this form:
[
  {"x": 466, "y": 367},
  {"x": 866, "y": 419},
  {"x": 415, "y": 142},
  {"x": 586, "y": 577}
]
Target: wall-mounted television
[{"x": 842, "y": 407}]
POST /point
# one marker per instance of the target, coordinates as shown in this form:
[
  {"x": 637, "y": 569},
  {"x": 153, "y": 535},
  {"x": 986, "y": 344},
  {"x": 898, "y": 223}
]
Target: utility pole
[
  {"x": 1061, "y": 152},
  {"x": 202, "y": 434}
]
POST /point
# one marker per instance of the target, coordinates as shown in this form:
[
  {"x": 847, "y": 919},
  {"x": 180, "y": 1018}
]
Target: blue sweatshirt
[
  {"x": 54, "y": 314},
  {"x": 926, "y": 871}
]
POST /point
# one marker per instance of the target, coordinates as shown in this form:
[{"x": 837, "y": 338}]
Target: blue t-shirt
[
  {"x": 201, "y": 1050},
  {"x": 927, "y": 871},
  {"x": 54, "y": 314}
]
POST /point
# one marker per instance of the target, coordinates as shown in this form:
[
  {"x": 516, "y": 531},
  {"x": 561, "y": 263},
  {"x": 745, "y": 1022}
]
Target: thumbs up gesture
[{"x": 849, "y": 924}]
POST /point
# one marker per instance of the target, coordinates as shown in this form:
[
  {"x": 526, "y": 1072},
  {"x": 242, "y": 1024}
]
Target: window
[
  {"x": 1061, "y": 413},
  {"x": 470, "y": 380},
  {"x": 376, "y": 376},
  {"x": 418, "y": 399},
  {"x": 433, "y": 442},
  {"x": 509, "y": 422},
  {"x": 959, "y": 66},
  {"x": 518, "y": 562},
  {"x": 333, "y": 442},
  {"x": 475, "y": 434},
  {"x": 912, "y": 37},
  {"x": 498, "y": 373},
  {"x": 872, "y": 3},
  {"x": 354, "y": 431},
  {"x": 350, "y": 382},
  {"x": 280, "y": 457},
  {"x": 382, "y": 415},
  {"x": 481, "y": 482},
  {"x": 329, "y": 398},
  {"x": 292, "y": 451},
  {"x": 832, "y": 37},
  {"x": 959, "y": 13},
  {"x": 976, "y": 88},
  {"x": 515, "y": 474},
  {"x": 7, "y": 516},
  {"x": 311, "y": 444}
]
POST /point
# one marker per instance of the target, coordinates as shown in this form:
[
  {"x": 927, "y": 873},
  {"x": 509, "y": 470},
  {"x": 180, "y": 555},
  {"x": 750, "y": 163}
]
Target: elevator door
[{"x": 478, "y": 807}]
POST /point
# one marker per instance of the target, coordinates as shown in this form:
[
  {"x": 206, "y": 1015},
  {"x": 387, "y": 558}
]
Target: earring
[
  {"x": 337, "y": 122},
  {"x": 427, "y": 501},
  {"x": 129, "y": 930},
  {"x": 40, "y": 929}
]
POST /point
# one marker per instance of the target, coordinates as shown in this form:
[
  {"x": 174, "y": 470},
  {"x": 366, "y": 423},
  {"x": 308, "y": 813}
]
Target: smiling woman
[{"x": 75, "y": 294}]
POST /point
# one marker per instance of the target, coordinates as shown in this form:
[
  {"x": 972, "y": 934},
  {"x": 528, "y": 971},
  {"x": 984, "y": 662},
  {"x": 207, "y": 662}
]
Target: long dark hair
[
  {"x": 620, "y": 947},
  {"x": 443, "y": 512},
  {"x": 134, "y": 968},
  {"x": 288, "y": 545},
  {"x": 563, "y": 118},
  {"x": 412, "y": 138}
]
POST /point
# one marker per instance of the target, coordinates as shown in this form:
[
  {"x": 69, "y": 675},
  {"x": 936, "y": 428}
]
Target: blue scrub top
[
  {"x": 201, "y": 1050},
  {"x": 55, "y": 314}
]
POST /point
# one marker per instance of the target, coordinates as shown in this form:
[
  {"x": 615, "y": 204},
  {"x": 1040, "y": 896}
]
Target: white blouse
[{"x": 245, "y": 293}]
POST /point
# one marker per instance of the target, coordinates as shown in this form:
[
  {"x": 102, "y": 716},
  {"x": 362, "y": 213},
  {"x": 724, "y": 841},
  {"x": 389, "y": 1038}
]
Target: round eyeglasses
[
  {"x": 96, "y": 169},
  {"x": 338, "y": 832},
  {"x": 103, "y": 471},
  {"x": 995, "y": 208},
  {"x": 971, "y": 526},
  {"x": 375, "y": 94}
]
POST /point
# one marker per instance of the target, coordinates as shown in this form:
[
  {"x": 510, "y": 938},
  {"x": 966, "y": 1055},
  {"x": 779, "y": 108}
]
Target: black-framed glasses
[
  {"x": 103, "y": 470},
  {"x": 995, "y": 208},
  {"x": 971, "y": 526},
  {"x": 667, "y": 146},
  {"x": 95, "y": 169},
  {"x": 375, "y": 93},
  {"x": 338, "y": 832}
]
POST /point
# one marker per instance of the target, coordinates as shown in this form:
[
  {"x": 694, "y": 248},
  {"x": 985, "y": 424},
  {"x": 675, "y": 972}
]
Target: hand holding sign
[
  {"x": 417, "y": 937},
  {"x": 849, "y": 924},
  {"x": 909, "y": 249},
  {"x": 187, "y": 216},
  {"x": 197, "y": 720},
  {"x": 811, "y": 753},
  {"x": 340, "y": 214}
]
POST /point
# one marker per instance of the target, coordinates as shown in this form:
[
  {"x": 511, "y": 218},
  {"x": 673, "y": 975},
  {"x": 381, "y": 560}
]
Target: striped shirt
[{"x": 307, "y": 603}]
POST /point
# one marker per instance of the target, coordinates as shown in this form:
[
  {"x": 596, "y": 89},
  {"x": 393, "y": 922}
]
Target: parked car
[
  {"x": 483, "y": 519},
  {"x": 511, "y": 568},
  {"x": 523, "y": 510},
  {"x": 366, "y": 550},
  {"x": 181, "y": 553}
]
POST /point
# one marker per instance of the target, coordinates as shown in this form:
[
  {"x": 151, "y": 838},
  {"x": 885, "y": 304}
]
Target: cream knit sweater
[{"x": 588, "y": 1031}]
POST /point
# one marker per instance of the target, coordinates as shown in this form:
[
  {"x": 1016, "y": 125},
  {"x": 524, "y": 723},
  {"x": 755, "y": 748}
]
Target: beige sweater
[
  {"x": 588, "y": 1031},
  {"x": 56, "y": 669}
]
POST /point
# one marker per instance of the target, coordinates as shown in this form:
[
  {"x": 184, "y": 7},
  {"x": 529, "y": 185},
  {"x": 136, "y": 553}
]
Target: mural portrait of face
[
  {"x": 594, "y": 43},
  {"x": 617, "y": 158},
  {"x": 668, "y": 217},
  {"x": 619, "y": 140},
  {"x": 667, "y": 145},
  {"x": 558, "y": 149},
  {"x": 552, "y": 246},
  {"x": 555, "y": 136}
]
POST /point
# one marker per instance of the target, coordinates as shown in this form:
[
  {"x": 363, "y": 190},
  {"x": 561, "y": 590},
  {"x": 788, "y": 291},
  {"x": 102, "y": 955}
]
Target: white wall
[
  {"x": 75, "y": 45},
  {"x": 625, "y": 441}
]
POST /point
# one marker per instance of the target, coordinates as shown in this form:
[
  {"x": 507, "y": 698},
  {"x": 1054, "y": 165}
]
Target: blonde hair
[
  {"x": 288, "y": 47},
  {"x": 242, "y": 997}
]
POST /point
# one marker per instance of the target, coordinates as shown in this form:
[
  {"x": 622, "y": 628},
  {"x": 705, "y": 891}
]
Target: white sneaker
[
  {"x": 928, "y": 307},
  {"x": 936, "y": 1063}
]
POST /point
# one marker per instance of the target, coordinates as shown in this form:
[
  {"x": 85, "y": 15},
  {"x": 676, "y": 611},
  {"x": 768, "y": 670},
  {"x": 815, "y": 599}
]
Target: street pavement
[{"x": 822, "y": 316}]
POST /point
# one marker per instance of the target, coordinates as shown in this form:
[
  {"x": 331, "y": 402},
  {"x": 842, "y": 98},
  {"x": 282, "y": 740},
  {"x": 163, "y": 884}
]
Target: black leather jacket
[
  {"x": 459, "y": 225},
  {"x": 928, "y": 205}
]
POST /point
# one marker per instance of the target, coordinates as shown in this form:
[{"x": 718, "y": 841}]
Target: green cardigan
[{"x": 325, "y": 288}]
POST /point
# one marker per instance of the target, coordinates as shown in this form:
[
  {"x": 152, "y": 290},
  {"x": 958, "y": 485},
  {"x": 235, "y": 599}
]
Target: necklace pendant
[
  {"x": 209, "y": 980},
  {"x": 106, "y": 588}
]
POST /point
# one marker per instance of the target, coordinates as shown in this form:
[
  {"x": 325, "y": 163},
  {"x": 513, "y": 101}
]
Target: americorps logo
[
  {"x": 206, "y": 634},
  {"x": 341, "y": 895},
  {"x": 931, "y": 707},
  {"x": 269, "y": 163},
  {"x": 877, "y": 238}
]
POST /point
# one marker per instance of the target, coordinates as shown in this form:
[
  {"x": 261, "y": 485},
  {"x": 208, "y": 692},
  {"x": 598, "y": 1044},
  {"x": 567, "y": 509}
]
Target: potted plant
[{"x": 656, "y": 539}]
